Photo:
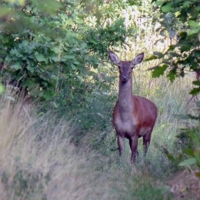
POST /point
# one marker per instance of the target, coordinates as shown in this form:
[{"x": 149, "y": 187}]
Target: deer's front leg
[
  {"x": 120, "y": 141},
  {"x": 133, "y": 141}
]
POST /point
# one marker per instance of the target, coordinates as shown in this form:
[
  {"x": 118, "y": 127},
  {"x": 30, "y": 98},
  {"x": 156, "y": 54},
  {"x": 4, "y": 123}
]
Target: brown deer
[{"x": 133, "y": 116}]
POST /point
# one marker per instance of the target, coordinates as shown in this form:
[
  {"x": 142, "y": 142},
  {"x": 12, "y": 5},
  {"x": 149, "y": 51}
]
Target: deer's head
[{"x": 125, "y": 67}]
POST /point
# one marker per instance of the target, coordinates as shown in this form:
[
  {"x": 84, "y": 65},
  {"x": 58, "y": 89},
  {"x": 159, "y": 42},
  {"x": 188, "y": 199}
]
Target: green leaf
[
  {"x": 195, "y": 91},
  {"x": 188, "y": 162},
  {"x": 193, "y": 23},
  {"x": 40, "y": 57},
  {"x": 174, "y": 54},
  {"x": 16, "y": 66},
  {"x": 47, "y": 95},
  {"x": 56, "y": 49},
  {"x": 186, "y": 4},
  {"x": 197, "y": 157},
  {"x": 158, "y": 54},
  {"x": 20, "y": 2},
  {"x": 159, "y": 71},
  {"x": 151, "y": 58},
  {"x": 28, "y": 83},
  {"x": 69, "y": 57},
  {"x": 73, "y": 67},
  {"x": 167, "y": 8},
  {"x": 159, "y": 3},
  {"x": 194, "y": 31},
  {"x": 171, "y": 76},
  {"x": 187, "y": 150},
  {"x": 170, "y": 48},
  {"x": 185, "y": 47},
  {"x": 197, "y": 174},
  {"x": 2, "y": 88},
  {"x": 196, "y": 83},
  {"x": 56, "y": 59},
  {"x": 50, "y": 8},
  {"x": 177, "y": 13},
  {"x": 14, "y": 52},
  {"x": 76, "y": 63},
  {"x": 4, "y": 11},
  {"x": 170, "y": 157},
  {"x": 183, "y": 35},
  {"x": 79, "y": 21},
  {"x": 30, "y": 68}
]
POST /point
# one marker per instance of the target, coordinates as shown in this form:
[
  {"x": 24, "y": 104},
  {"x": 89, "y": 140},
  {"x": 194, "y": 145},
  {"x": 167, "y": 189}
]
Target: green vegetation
[{"x": 58, "y": 90}]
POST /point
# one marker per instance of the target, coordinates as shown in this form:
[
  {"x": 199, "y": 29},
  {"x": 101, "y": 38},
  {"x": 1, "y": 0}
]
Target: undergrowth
[
  {"x": 45, "y": 157},
  {"x": 38, "y": 161}
]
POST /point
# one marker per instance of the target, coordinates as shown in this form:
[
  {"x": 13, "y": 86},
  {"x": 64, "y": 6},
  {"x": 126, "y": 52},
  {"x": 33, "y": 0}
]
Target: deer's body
[
  {"x": 133, "y": 116},
  {"x": 127, "y": 124}
]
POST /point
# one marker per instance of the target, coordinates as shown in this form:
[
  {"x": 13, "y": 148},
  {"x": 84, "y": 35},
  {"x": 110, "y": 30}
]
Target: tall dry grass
[{"x": 39, "y": 162}]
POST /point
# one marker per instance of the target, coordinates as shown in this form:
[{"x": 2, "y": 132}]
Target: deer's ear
[
  {"x": 114, "y": 58},
  {"x": 138, "y": 59}
]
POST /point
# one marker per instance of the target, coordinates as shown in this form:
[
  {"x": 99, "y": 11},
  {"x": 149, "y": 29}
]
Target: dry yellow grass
[{"x": 39, "y": 162}]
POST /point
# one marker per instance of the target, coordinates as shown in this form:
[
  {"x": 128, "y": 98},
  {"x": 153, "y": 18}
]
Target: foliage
[
  {"x": 181, "y": 22},
  {"x": 57, "y": 56},
  {"x": 187, "y": 146},
  {"x": 190, "y": 143},
  {"x": 53, "y": 55}
]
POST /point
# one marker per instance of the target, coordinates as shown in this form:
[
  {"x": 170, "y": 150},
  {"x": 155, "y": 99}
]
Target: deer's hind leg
[{"x": 146, "y": 142}]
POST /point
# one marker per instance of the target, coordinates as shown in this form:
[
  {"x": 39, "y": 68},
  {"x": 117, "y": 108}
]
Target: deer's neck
[{"x": 125, "y": 101}]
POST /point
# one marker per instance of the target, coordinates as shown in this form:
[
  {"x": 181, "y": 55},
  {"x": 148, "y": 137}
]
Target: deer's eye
[{"x": 132, "y": 66}]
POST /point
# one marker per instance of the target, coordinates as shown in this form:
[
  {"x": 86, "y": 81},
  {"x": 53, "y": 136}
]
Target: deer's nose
[{"x": 124, "y": 78}]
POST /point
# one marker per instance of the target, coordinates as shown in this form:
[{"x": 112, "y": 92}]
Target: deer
[{"x": 133, "y": 116}]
